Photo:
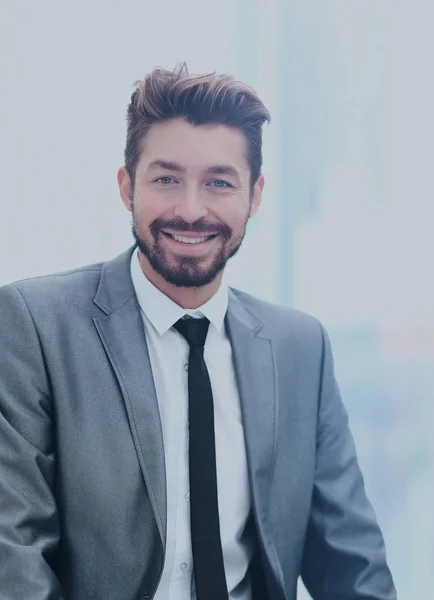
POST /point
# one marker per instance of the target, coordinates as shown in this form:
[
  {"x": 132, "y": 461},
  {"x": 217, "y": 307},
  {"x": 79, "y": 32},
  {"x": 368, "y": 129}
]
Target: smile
[{"x": 189, "y": 240}]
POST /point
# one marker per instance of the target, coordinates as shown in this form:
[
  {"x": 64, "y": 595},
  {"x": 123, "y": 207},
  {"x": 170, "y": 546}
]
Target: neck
[{"x": 186, "y": 297}]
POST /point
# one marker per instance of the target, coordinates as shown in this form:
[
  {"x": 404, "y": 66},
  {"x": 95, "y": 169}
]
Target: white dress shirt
[{"x": 168, "y": 352}]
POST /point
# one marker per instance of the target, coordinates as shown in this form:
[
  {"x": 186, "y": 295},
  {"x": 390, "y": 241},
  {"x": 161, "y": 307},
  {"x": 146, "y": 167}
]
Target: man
[{"x": 163, "y": 436}]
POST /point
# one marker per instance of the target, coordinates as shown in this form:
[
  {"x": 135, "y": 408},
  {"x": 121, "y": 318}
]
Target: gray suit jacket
[{"x": 82, "y": 478}]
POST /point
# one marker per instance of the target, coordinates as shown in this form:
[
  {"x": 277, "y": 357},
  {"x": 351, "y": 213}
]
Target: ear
[
  {"x": 256, "y": 196},
  {"x": 125, "y": 188}
]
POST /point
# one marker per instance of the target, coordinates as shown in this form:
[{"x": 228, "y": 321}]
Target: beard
[{"x": 187, "y": 271}]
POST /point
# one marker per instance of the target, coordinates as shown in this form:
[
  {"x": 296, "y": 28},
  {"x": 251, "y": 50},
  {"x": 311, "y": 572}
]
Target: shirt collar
[{"x": 163, "y": 313}]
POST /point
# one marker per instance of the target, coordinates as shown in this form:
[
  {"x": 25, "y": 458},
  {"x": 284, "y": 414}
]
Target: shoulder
[
  {"x": 282, "y": 322},
  {"x": 54, "y": 289}
]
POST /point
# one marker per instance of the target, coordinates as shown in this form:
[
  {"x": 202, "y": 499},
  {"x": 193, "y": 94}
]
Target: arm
[
  {"x": 344, "y": 556},
  {"x": 29, "y": 529}
]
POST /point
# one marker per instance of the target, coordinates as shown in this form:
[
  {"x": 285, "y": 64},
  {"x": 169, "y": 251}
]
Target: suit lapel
[
  {"x": 254, "y": 368},
  {"x": 122, "y": 335}
]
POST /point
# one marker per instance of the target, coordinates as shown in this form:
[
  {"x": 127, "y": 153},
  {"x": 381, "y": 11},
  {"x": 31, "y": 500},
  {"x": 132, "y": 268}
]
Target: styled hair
[{"x": 199, "y": 99}]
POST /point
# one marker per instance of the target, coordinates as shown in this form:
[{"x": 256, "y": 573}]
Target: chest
[{"x": 169, "y": 356}]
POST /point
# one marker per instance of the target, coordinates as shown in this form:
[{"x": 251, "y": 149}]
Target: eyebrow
[
  {"x": 223, "y": 170},
  {"x": 212, "y": 170},
  {"x": 166, "y": 164}
]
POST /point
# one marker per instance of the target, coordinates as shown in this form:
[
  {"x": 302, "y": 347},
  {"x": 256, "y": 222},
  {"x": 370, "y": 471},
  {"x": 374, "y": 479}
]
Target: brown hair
[{"x": 198, "y": 99}]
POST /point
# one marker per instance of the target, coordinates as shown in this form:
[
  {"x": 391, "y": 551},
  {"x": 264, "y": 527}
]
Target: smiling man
[
  {"x": 161, "y": 435},
  {"x": 191, "y": 196}
]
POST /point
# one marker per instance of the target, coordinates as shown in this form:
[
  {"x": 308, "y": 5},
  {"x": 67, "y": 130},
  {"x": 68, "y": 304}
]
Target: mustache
[{"x": 199, "y": 226}]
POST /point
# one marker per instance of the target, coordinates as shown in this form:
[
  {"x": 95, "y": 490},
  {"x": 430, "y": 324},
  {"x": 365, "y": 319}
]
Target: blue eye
[
  {"x": 219, "y": 183},
  {"x": 164, "y": 180}
]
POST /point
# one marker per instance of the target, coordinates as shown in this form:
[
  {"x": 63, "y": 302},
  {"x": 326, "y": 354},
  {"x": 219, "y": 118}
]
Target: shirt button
[
  {"x": 186, "y": 367},
  {"x": 187, "y": 497},
  {"x": 184, "y": 566}
]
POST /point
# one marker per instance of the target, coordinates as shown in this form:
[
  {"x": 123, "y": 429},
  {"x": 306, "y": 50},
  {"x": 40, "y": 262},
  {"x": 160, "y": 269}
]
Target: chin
[{"x": 185, "y": 280}]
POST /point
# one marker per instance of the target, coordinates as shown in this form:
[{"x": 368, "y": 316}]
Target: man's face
[{"x": 191, "y": 200}]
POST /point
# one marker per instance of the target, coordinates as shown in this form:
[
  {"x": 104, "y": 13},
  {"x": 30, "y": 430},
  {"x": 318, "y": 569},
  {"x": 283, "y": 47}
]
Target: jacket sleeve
[
  {"x": 344, "y": 555},
  {"x": 29, "y": 529}
]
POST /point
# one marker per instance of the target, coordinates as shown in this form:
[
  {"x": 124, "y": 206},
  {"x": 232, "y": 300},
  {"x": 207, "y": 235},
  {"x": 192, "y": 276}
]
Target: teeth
[{"x": 187, "y": 240}]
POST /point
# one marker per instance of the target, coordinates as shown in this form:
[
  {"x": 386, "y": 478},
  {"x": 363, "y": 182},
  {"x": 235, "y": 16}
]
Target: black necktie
[{"x": 209, "y": 570}]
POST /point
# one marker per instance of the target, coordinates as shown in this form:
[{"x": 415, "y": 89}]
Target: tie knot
[{"x": 194, "y": 330}]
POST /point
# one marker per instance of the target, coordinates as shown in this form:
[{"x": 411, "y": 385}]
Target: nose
[{"x": 190, "y": 206}]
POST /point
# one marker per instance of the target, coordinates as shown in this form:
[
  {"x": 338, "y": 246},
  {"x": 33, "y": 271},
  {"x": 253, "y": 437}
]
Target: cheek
[
  {"x": 145, "y": 209},
  {"x": 238, "y": 218},
  {"x": 232, "y": 210}
]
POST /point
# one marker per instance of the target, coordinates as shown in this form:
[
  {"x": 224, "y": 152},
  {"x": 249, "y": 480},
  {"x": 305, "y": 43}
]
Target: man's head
[{"x": 192, "y": 170}]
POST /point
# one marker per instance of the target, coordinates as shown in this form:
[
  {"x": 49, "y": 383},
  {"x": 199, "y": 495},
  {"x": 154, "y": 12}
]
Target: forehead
[{"x": 194, "y": 146}]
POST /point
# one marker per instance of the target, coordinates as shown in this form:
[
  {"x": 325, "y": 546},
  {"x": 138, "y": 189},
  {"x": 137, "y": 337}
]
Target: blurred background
[{"x": 345, "y": 231}]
